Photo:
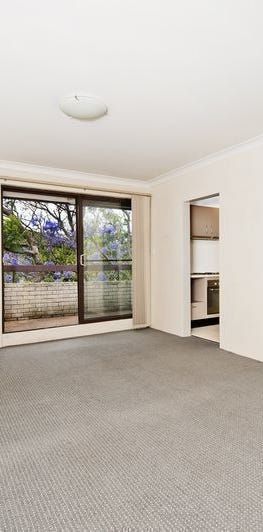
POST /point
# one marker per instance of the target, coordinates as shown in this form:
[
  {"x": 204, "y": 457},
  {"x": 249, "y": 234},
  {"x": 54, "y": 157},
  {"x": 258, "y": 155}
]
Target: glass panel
[
  {"x": 107, "y": 259},
  {"x": 39, "y": 263}
]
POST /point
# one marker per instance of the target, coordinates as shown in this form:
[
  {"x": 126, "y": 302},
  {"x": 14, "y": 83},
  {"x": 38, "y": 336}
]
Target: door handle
[{"x": 82, "y": 260}]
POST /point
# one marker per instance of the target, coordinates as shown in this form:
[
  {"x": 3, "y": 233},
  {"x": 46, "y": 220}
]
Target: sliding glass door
[
  {"x": 39, "y": 261},
  {"x": 105, "y": 258},
  {"x": 65, "y": 260}
]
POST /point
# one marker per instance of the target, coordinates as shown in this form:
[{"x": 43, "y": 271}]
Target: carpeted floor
[{"x": 130, "y": 431}]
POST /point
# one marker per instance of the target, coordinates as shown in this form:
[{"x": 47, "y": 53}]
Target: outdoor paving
[
  {"x": 57, "y": 321},
  {"x": 40, "y": 323}
]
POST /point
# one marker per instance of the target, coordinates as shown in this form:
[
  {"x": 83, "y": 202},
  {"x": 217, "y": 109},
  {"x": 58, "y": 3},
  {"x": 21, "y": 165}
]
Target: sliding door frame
[
  {"x": 79, "y": 200},
  {"x": 80, "y": 251}
]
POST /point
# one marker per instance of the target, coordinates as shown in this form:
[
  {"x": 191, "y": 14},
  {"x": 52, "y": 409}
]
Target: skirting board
[{"x": 62, "y": 333}]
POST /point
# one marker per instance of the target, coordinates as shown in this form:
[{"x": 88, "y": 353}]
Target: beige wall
[{"x": 238, "y": 177}]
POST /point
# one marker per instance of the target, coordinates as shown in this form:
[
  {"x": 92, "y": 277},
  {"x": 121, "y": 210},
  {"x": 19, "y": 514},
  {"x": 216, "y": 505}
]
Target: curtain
[{"x": 141, "y": 260}]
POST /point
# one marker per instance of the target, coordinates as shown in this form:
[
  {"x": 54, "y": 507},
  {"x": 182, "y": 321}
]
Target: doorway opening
[
  {"x": 65, "y": 259},
  {"x": 205, "y": 269}
]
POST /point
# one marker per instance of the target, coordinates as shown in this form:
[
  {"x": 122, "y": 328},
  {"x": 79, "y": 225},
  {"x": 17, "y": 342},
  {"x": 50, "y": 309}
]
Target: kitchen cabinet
[
  {"x": 204, "y": 222},
  {"x": 198, "y": 310}
]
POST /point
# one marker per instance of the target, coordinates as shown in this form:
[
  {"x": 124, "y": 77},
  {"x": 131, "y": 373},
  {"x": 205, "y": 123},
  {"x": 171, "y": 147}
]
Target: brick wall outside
[{"x": 42, "y": 300}]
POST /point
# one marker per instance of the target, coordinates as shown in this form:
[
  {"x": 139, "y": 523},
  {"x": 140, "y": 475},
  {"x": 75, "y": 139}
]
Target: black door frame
[
  {"x": 79, "y": 201},
  {"x": 80, "y": 251}
]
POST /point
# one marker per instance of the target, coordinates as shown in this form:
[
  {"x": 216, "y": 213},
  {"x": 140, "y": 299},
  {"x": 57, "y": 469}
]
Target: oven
[{"x": 212, "y": 296}]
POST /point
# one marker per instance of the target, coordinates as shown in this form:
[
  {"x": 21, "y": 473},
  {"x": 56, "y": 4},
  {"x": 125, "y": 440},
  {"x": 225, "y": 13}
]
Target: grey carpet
[{"x": 131, "y": 431}]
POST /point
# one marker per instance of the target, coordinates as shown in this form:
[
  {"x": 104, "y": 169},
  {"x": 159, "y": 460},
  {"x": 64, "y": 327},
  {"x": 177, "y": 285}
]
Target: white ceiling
[{"x": 182, "y": 79}]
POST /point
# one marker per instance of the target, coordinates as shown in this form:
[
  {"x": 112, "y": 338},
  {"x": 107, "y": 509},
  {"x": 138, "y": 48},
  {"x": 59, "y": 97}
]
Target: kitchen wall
[
  {"x": 204, "y": 256},
  {"x": 238, "y": 176}
]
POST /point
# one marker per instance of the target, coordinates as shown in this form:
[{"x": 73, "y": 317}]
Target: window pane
[
  {"x": 39, "y": 263},
  {"x": 107, "y": 260}
]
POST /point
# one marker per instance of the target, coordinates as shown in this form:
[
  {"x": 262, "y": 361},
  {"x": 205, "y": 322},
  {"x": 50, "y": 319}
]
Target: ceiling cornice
[
  {"x": 209, "y": 159},
  {"x": 9, "y": 169}
]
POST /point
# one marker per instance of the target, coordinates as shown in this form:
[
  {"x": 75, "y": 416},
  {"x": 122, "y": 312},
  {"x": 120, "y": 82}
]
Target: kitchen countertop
[{"x": 204, "y": 276}]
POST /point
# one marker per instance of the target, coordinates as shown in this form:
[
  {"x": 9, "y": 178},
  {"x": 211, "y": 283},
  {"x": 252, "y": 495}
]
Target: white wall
[{"x": 238, "y": 177}]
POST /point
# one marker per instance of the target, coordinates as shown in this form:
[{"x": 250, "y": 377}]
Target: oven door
[{"x": 213, "y": 296}]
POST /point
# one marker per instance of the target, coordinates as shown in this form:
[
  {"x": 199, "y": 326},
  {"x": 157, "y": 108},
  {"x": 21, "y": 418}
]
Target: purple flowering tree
[
  {"x": 41, "y": 232},
  {"x": 37, "y": 232},
  {"x": 108, "y": 239}
]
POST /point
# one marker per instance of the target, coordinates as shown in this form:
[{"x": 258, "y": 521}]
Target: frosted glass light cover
[{"x": 83, "y": 106}]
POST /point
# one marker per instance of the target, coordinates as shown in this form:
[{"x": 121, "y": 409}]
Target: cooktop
[{"x": 205, "y": 273}]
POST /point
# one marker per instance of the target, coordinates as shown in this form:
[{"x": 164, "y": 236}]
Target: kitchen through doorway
[{"x": 205, "y": 270}]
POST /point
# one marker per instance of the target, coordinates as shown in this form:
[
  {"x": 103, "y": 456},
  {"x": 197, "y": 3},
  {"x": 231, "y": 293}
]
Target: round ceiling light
[{"x": 83, "y": 106}]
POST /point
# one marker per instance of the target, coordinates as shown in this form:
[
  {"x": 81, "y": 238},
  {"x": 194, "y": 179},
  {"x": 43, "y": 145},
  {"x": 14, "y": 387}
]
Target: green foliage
[
  {"x": 107, "y": 238},
  {"x": 14, "y": 234},
  {"x": 60, "y": 254},
  {"x": 40, "y": 233}
]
